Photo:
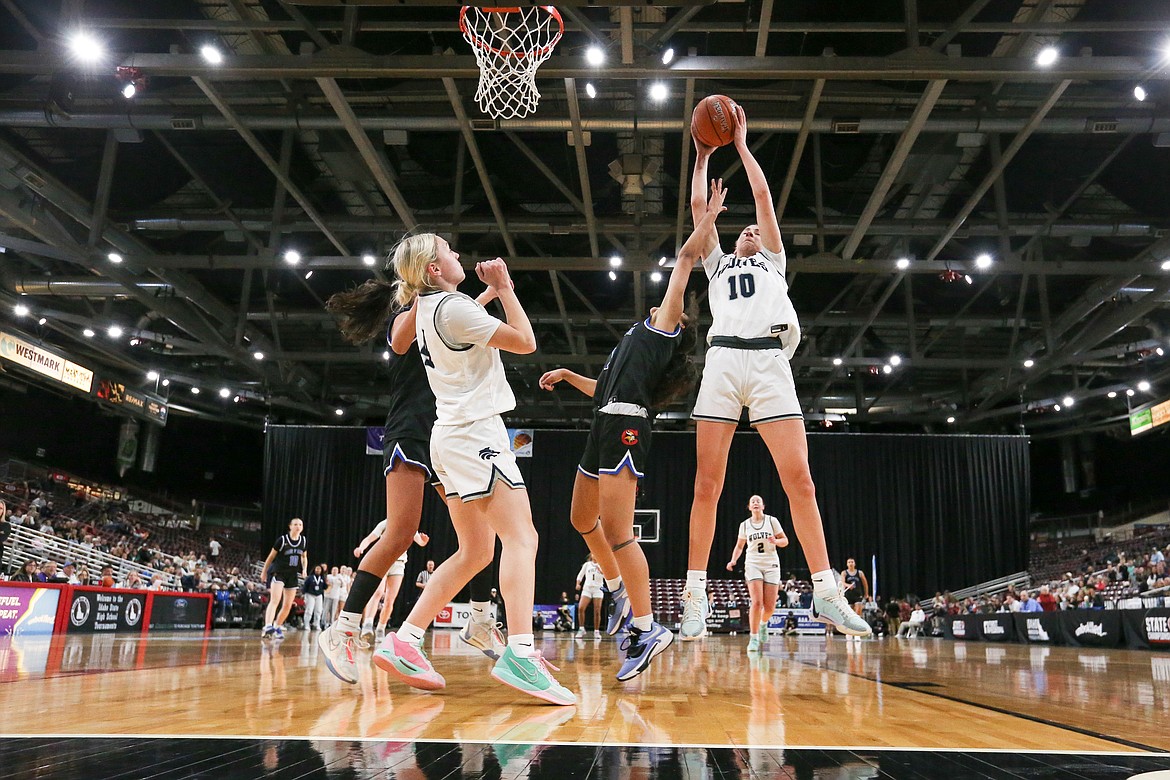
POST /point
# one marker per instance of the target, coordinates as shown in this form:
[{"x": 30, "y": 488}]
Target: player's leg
[
  {"x": 771, "y": 593},
  {"x": 788, "y": 446},
  {"x": 275, "y": 595},
  {"x": 647, "y": 639},
  {"x": 585, "y": 517},
  {"x": 370, "y": 613},
  {"x": 482, "y": 631},
  {"x": 289, "y": 596},
  {"x": 756, "y": 595},
  {"x": 597, "y": 616},
  {"x": 582, "y": 607},
  {"x": 712, "y": 442},
  {"x": 393, "y": 586}
]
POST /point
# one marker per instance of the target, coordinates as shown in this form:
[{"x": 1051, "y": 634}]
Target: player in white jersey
[
  {"x": 589, "y": 582},
  {"x": 759, "y": 535},
  {"x": 753, "y": 335},
  {"x": 387, "y": 591},
  {"x": 460, "y": 346}
]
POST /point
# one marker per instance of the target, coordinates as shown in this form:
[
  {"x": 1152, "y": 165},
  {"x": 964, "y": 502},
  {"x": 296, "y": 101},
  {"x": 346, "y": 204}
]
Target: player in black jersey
[
  {"x": 288, "y": 558},
  {"x": 648, "y": 368},
  {"x": 855, "y": 585},
  {"x": 364, "y": 313}
]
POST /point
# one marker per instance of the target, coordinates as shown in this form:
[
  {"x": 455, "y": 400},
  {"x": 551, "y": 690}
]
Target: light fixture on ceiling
[
  {"x": 1144, "y": 386},
  {"x": 257, "y": 355},
  {"x": 133, "y": 82},
  {"x": 668, "y": 55},
  {"x": 114, "y": 258},
  {"x": 656, "y": 276},
  {"x": 386, "y": 354},
  {"x": 983, "y": 261},
  {"x": 837, "y": 361},
  {"x": 339, "y": 412},
  {"x": 1139, "y": 93},
  {"x": 590, "y": 90},
  {"x": 1111, "y": 394},
  {"x": 658, "y": 92},
  {"x": 292, "y": 256},
  {"x": 1047, "y": 56},
  {"x": 950, "y": 420},
  {"x": 595, "y": 56},
  {"x": 895, "y": 360},
  {"x": 902, "y": 263},
  {"x": 114, "y": 331},
  {"x": 612, "y": 276},
  {"x": 308, "y": 274},
  {"x": 210, "y": 54},
  {"x": 194, "y": 391},
  {"x": 88, "y": 333},
  {"x": 152, "y": 376},
  {"x": 1068, "y": 400},
  {"x": 1029, "y": 362},
  {"x": 615, "y": 261},
  {"x": 224, "y": 392},
  {"x": 85, "y": 48},
  {"x": 887, "y": 369},
  {"x": 20, "y": 310},
  {"x": 369, "y": 259}
]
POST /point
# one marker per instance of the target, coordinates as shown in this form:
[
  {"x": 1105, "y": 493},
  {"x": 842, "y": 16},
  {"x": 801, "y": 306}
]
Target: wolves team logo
[
  {"x": 629, "y": 437},
  {"x": 487, "y": 453}
]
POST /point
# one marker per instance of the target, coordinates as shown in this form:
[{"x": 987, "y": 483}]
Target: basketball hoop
[{"x": 509, "y": 45}]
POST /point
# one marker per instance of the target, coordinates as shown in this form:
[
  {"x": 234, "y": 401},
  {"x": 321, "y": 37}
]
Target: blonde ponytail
[{"x": 410, "y": 259}]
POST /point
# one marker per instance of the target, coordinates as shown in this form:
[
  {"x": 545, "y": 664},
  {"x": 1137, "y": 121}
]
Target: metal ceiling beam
[
  {"x": 962, "y": 24},
  {"x": 676, "y": 23},
  {"x": 764, "y": 28},
  {"x": 101, "y": 200},
  {"x": 806, "y": 124},
  {"x": 359, "y": 65},
  {"x": 894, "y": 165},
  {"x": 684, "y": 168},
  {"x": 373, "y": 158},
  {"x": 582, "y": 167},
  {"x": 480, "y": 166},
  {"x": 997, "y": 170}
]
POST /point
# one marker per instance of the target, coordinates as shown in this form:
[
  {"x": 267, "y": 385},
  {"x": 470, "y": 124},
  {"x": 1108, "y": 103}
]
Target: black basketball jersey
[
  {"x": 853, "y": 579},
  {"x": 635, "y": 366},
  {"x": 289, "y": 554},
  {"x": 411, "y": 413}
]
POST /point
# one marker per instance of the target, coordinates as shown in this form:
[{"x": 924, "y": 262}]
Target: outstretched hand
[
  {"x": 718, "y": 194},
  {"x": 550, "y": 378},
  {"x": 739, "y": 131}
]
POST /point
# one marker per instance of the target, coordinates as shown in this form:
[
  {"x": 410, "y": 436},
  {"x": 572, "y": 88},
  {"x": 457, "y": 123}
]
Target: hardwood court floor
[{"x": 920, "y": 693}]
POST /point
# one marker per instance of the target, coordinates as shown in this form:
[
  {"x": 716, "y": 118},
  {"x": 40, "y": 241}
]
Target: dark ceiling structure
[{"x": 902, "y": 139}]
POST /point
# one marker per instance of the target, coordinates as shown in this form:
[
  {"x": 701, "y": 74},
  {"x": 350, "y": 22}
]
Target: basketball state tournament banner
[
  {"x": 521, "y": 441},
  {"x": 27, "y": 611}
]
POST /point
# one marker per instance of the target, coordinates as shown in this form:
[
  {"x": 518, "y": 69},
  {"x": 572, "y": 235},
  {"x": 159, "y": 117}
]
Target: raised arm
[
  {"x": 699, "y": 196},
  {"x": 402, "y": 330},
  {"x": 515, "y": 334},
  {"x": 695, "y": 249},
  {"x": 761, "y": 194},
  {"x": 583, "y": 383}
]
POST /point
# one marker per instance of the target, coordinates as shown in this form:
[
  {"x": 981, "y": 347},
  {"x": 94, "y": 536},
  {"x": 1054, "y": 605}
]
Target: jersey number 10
[{"x": 746, "y": 288}]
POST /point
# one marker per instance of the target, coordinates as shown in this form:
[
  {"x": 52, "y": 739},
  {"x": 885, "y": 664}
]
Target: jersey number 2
[
  {"x": 747, "y": 286},
  {"x": 760, "y": 548},
  {"x": 426, "y": 353}
]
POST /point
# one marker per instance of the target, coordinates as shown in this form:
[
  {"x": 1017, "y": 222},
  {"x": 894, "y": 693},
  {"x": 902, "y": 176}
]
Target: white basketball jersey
[
  {"x": 758, "y": 550},
  {"x": 380, "y": 529},
  {"x": 590, "y": 576},
  {"x": 466, "y": 375},
  {"x": 749, "y": 297}
]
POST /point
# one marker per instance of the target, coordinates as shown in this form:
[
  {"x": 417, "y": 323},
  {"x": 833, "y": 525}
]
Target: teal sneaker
[
  {"x": 695, "y": 608},
  {"x": 754, "y": 644},
  {"x": 532, "y": 676},
  {"x": 836, "y": 611}
]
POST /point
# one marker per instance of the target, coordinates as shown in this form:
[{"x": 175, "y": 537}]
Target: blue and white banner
[
  {"x": 374, "y": 440},
  {"x": 521, "y": 441}
]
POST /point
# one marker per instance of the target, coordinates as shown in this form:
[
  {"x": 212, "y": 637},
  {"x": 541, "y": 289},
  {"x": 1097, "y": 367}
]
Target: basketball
[{"x": 713, "y": 122}]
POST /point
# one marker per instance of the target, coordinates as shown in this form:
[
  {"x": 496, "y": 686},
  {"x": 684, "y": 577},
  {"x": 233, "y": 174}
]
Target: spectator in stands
[
  {"x": 1029, "y": 604},
  {"x": 133, "y": 581},
  {"x": 83, "y": 575},
  {"x": 28, "y": 573},
  {"x": 314, "y": 590},
  {"x": 914, "y": 623},
  {"x": 107, "y": 580},
  {"x": 893, "y": 616},
  {"x": 332, "y": 589},
  {"x": 1046, "y": 600},
  {"x": 214, "y": 548},
  {"x": 158, "y": 581},
  {"x": 49, "y": 572},
  {"x": 1156, "y": 556},
  {"x": 69, "y": 572}
]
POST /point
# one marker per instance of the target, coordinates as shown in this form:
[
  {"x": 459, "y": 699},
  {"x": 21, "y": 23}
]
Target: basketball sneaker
[
  {"x": 753, "y": 644},
  {"x": 641, "y": 647},
  {"x": 621, "y": 608},
  {"x": 485, "y": 637},
  {"x": 338, "y": 648},
  {"x": 835, "y": 610},
  {"x": 366, "y": 638},
  {"x": 277, "y": 632},
  {"x": 580, "y": 633},
  {"x": 408, "y": 663},
  {"x": 695, "y": 608},
  {"x": 268, "y": 632},
  {"x": 532, "y": 676}
]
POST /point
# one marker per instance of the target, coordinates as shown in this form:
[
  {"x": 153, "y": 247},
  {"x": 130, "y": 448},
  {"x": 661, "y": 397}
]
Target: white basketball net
[{"x": 509, "y": 45}]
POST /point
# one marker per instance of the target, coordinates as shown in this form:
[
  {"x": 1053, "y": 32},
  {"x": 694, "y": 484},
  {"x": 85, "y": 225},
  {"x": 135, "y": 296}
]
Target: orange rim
[{"x": 482, "y": 44}]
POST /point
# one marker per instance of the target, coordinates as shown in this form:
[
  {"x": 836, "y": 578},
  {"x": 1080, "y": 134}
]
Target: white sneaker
[
  {"x": 580, "y": 633},
  {"x": 695, "y": 608},
  {"x": 596, "y": 634},
  {"x": 837, "y": 611},
  {"x": 339, "y": 648},
  {"x": 485, "y": 637}
]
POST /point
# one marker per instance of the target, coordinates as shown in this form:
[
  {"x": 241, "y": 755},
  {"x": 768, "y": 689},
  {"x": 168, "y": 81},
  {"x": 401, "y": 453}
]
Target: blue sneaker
[
  {"x": 621, "y": 609},
  {"x": 695, "y": 609},
  {"x": 641, "y": 647},
  {"x": 277, "y": 632}
]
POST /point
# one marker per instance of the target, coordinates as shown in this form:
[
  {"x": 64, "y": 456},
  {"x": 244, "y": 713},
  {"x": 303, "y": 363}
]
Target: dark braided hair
[
  {"x": 680, "y": 375},
  {"x": 363, "y": 311}
]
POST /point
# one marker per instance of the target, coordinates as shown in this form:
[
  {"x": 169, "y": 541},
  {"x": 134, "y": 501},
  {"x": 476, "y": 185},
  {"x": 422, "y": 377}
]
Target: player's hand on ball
[
  {"x": 551, "y": 378},
  {"x": 701, "y": 149},
  {"x": 739, "y": 132}
]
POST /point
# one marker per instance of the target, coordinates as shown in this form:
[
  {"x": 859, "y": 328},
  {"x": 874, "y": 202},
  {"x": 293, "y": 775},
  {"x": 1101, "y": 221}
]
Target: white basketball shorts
[
  {"x": 760, "y": 379},
  {"x": 769, "y": 574},
  {"x": 470, "y": 458},
  {"x": 592, "y": 593},
  {"x": 397, "y": 569}
]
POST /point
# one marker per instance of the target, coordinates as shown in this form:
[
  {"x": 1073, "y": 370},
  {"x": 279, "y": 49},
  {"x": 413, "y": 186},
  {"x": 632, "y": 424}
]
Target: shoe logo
[
  {"x": 487, "y": 453},
  {"x": 629, "y": 437},
  {"x": 530, "y": 676}
]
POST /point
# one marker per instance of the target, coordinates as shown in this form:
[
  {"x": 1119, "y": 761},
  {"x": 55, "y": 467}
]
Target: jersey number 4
[
  {"x": 426, "y": 353},
  {"x": 746, "y": 286}
]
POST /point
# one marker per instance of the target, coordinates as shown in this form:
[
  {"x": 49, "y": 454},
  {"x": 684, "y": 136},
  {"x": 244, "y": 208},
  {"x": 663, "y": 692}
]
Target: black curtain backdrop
[{"x": 939, "y": 512}]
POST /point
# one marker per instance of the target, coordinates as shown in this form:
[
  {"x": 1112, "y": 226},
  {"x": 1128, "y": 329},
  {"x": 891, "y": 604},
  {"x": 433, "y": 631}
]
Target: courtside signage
[{"x": 45, "y": 363}]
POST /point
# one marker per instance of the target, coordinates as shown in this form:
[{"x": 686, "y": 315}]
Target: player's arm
[
  {"x": 739, "y": 544},
  {"x": 267, "y": 562},
  {"x": 779, "y": 538},
  {"x": 582, "y": 383},
  {"x": 761, "y": 194},
  {"x": 515, "y": 333},
  {"x": 365, "y": 543},
  {"x": 864, "y": 583},
  {"x": 421, "y": 539},
  {"x": 402, "y": 329},
  {"x": 699, "y": 195},
  {"x": 695, "y": 249}
]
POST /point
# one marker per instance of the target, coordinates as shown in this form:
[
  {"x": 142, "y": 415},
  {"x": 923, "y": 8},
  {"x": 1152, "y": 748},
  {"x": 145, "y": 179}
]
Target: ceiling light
[
  {"x": 1129, "y": 392},
  {"x": 166, "y": 383},
  {"x": 659, "y": 92},
  {"x": 1047, "y": 56},
  {"x": 86, "y": 48},
  {"x": 194, "y": 391},
  {"x": 1029, "y": 363},
  {"x": 983, "y": 262},
  {"x": 887, "y": 369},
  {"x": 369, "y": 259},
  {"x": 292, "y": 257},
  {"x": 950, "y": 419},
  {"x": 1166, "y": 265},
  {"x": 615, "y": 262},
  {"x": 668, "y": 56},
  {"x": 129, "y": 90},
  {"x": 1056, "y": 407},
  {"x": 895, "y": 360},
  {"x": 88, "y": 333},
  {"x": 1144, "y": 386},
  {"x": 590, "y": 90},
  {"x": 386, "y": 355},
  {"x": 308, "y": 274},
  {"x": 114, "y": 331},
  {"x": 903, "y": 263},
  {"x": 595, "y": 56},
  {"x": 1159, "y": 351},
  {"x": 224, "y": 392},
  {"x": 612, "y": 276},
  {"x": 1139, "y": 92},
  {"x": 1111, "y": 394},
  {"x": 114, "y": 258},
  {"x": 656, "y": 276},
  {"x": 661, "y": 261},
  {"x": 20, "y": 310},
  {"x": 258, "y": 355},
  {"x": 339, "y": 412},
  {"x": 967, "y": 278},
  {"x": 210, "y": 54},
  {"x": 1068, "y": 400},
  {"x": 837, "y": 361},
  {"x": 42, "y": 320},
  {"x": 152, "y": 376}
]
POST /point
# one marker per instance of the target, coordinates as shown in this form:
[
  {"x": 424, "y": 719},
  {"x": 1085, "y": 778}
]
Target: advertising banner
[
  {"x": 521, "y": 439},
  {"x": 804, "y": 622},
  {"x": 179, "y": 611},
  {"x": 99, "y": 610},
  {"x": 999, "y": 627},
  {"x": 27, "y": 611},
  {"x": 1092, "y": 627},
  {"x": 1147, "y": 629},
  {"x": 453, "y": 616},
  {"x": 45, "y": 362},
  {"x": 149, "y": 407},
  {"x": 1039, "y": 627}
]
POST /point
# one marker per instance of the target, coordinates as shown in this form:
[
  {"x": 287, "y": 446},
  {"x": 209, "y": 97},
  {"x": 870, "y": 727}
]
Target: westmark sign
[{"x": 44, "y": 362}]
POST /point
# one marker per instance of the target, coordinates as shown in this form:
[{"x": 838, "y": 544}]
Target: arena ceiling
[{"x": 922, "y": 129}]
